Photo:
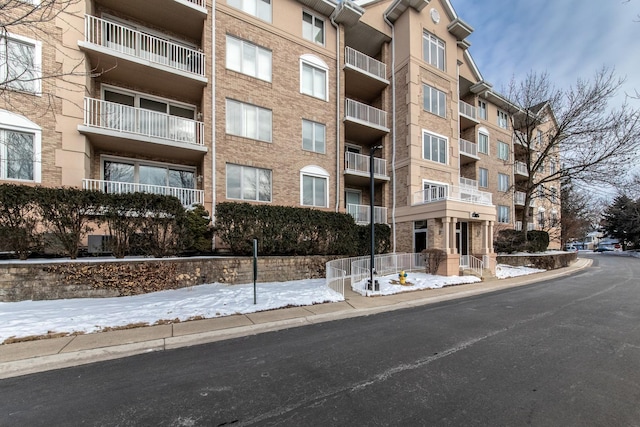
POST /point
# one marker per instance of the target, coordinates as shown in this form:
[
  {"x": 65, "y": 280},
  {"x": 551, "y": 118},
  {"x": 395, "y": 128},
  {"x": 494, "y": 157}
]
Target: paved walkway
[{"x": 54, "y": 353}]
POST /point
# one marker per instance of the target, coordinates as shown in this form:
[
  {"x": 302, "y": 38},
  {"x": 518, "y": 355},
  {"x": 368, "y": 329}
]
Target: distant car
[
  {"x": 604, "y": 248},
  {"x": 571, "y": 248},
  {"x": 617, "y": 247}
]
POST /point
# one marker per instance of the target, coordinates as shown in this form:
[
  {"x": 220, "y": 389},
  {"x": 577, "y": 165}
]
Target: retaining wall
[{"x": 95, "y": 278}]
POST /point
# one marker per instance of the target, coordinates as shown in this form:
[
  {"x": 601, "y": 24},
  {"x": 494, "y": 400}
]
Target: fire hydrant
[{"x": 403, "y": 277}]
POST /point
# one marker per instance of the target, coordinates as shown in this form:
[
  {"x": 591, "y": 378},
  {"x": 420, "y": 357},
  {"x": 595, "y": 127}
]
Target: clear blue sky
[{"x": 566, "y": 38}]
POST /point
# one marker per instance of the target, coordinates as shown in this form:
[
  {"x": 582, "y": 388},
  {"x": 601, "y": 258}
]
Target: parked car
[
  {"x": 604, "y": 248},
  {"x": 571, "y": 248}
]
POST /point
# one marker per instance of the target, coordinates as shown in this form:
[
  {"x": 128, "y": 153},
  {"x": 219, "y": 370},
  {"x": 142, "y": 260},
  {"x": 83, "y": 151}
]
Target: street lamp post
[{"x": 373, "y": 284}]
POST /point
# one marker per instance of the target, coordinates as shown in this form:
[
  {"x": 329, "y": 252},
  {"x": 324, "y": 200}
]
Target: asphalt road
[{"x": 564, "y": 352}]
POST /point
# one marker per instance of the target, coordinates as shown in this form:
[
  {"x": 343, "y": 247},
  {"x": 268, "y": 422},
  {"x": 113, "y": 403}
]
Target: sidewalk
[{"x": 55, "y": 353}]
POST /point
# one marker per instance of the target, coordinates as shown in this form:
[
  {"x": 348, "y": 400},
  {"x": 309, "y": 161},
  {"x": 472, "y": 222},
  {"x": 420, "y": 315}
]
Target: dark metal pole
[{"x": 255, "y": 269}]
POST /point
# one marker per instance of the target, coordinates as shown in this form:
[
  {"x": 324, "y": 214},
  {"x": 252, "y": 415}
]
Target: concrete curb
[{"x": 33, "y": 357}]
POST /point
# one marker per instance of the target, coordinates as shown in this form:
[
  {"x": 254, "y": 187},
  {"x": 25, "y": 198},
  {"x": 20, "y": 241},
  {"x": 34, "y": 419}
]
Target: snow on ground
[
  {"x": 390, "y": 285},
  {"x": 86, "y": 315},
  {"x": 505, "y": 271}
]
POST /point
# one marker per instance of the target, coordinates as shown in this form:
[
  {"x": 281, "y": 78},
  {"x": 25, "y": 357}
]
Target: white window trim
[
  {"x": 485, "y": 109},
  {"x": 324, "y": 28},
  {"x": 508, "y": 221},
  {"x": 484, "y": 132},
  {"x": 258, "y": 47},
  {"x": 446, "y": 140},
  {"x": 256, "y": 15},
  {"x": 503, "y": 144},
  {"x": 137, "y": 162},
  {"x": 506, "y": 119},
  {"x": 251, "y": 105},
  {"x": 506, "y": 181},
  {"x": 316, "y": 172},
  {"x": 480, "y": 175},
  {"x": 315, "y": 62},
  {"x": 314, "y": 123},
  {"x": 37, "y": 61},
  {"x": 137, "y": 95},
  {"x": 427, "y": 37},
  {"x": 257, "y": 190},
  {"x": 18, "y": 123},
  {"x": 437, "y": 91}
]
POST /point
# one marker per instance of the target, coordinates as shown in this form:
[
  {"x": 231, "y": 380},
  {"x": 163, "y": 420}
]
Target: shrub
[
  {"x": 199, "y": 232},
  {"x": 162, "y": 223},
  {"x": 122, "y": 216},
  {"x": 509, "y": 241},
  {"x": 19, "y": 219},
  {"x": 432, "y": 259},
  {"x": 537, "y": 241},
  {"x": 382, "y": 237}
]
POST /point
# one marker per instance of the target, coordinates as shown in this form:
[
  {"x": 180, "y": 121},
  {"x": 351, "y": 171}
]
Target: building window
[
  {"x": 482, "y": 110},
  {"x": 20, "y": 148},
  {"x": 541, "y": 219},
  {"x": 503, "y": 119},
  {"x": 503, "y": 214},
  {"x": 259, "y": 8},
  {"x": 552, "y": 167},
  {"x": 152, "y": 177},
  {"x": 249, "y": 59},
  {"x": 503, "y": 182},
  {"x": 312, "y": 28},
  {"x": 539, "y": 138},
  {"x": 434, "y": 148},
  {"x": 433, "y": 50},
  {"x": 484, "y": 178},
  {"x": 313, "y": 136},
  {"x": 503, "y": 150},
  {"x": 435, "y": 101},
  {"x": 483, "y": 143},
  {"x": 554, "y": 218},
  {"x": 248, "y": 121},
  {"x": 247, "y": 183},
  {"x": 540, "y": 191},
  {"x": 314, "y": 185},
  {"x": 554, "y": 195},
  {"x": 20, "y": 63},
  {"x": 313, "y": 79}
]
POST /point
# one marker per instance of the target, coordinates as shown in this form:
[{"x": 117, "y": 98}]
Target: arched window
[
  {"x": 314, "y": 187},
  {"x": 314, "y": 77},
  {"x": 20, "y": 148}
]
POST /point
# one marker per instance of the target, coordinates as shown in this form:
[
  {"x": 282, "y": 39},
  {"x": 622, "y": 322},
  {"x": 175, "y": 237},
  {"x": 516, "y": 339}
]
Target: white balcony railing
[
  {"x": 362, "y": 213},
  {"x": 367, "y": 64},
  {"x": 530, "y": 226},
  {"x": 518, "y": 198},
  {"x": 355, "y": 162},
  {"x": 460, "y": 194},
  {"x": 138, "y": 121},
  {"x": 127, "y": 41},
  {"x": 187, "y": 196},
  {"x": 469, "y": 148},
  {"x": 467, "y": 109},
  {"x": 365, "y": 113},
  {"x": 466, "y": 183},
  {"x": 201, "y": 3},
  {"x": 520, "y": 168}
]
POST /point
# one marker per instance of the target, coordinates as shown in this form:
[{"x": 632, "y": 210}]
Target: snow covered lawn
[{"x": 415, "y": 281}]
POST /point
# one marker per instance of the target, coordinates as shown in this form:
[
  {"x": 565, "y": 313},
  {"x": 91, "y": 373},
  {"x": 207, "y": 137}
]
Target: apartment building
[{"x": 287, "y": 102}]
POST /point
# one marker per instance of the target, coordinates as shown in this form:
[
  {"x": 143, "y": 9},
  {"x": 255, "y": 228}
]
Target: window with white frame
[
  {"x": 248, "y": 121},
  {"x": 483, "y": 180},
  {"x": 503, "y": 150},
  {"x": 152, "y": 177},
  {"x": 482, "y": 110},
  {"x": 313, "y": 136},
  {"x": 503, "y": 182},
  {"x": 432, "y": 191},
  {"x": 503, "y": 214},
  {"x": 503, "y": 119},
  {"x": 541, "y": 192},
  {"x": 433, "y": 50},
  {"x": 248, "y": 58},
  {"x": 313, "y": 77},
  {"x": 554, "y": 195},
  {"x": 248, "y": 183},
  {"x": 435, "y": 101},
  {"x": 434, "y": 147},
  {"x": 483, "y": 143},
  {"x": 20, "y": 63},
  {"x": 552, "y": 167},
  {"x": 554, "y": 218},
  {"x": 539, "y": 138},
  {"x": 541, "y": 219},
  {"x": 20, "y": 148},
  {"x": 314, "y": 187},
  {"x": 312, "y": 28},
  {"x": 259, "y": 8}
]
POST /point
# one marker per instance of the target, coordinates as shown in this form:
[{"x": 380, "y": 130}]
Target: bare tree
[{"x": 571, "y": 133}]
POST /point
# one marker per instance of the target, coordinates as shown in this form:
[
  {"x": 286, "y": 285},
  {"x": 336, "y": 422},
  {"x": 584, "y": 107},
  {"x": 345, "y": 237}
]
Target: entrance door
[
  {"x": 462, "y": 238},
  {"x": 419, "y": 236}
]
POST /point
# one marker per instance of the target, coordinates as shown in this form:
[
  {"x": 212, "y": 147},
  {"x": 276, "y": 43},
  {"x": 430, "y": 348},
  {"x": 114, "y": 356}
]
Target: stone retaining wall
[
  {"x": 542, "y": 261},
  {"x": 95, "y": 278}
]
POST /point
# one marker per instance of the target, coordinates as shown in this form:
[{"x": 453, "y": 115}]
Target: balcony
[
  {"x": 363, "y": 122},
  {"x": 520, "y": 169},
  {"x": 459, "y": 194},
  {"x": 530, "y": 226},
  {"x": 359, "y": 167},
  {"x": 365, "y": 76},
  {"x": 468, "y": 150},
  {"x": 187, "y": 196},
  {"x": 468, "y": 184},
  {"x": 468, "y": 115},
  {"x": 362, "y": 214},
  {"x": 118, "y": 127},
  {"x": 186, "y": 17},
  {"x": 143, "y": 60}
]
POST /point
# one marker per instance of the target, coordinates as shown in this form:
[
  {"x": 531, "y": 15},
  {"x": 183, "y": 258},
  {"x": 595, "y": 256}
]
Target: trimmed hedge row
[
  {"x": 283, "y": 230},
  {"x": 32, "y": 218},
  {"x": 510, "y": 241}
]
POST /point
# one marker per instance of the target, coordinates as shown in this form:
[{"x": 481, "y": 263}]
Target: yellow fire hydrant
[{"x": 403, "y": 277}]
